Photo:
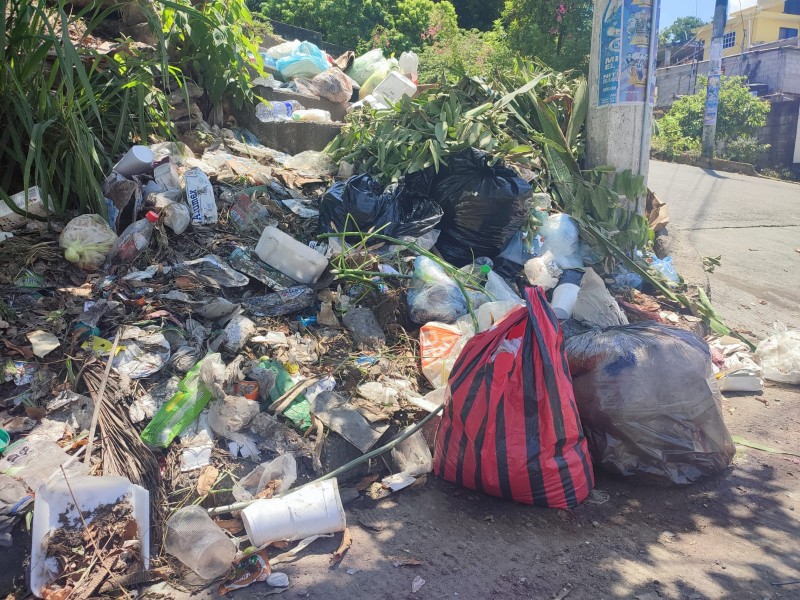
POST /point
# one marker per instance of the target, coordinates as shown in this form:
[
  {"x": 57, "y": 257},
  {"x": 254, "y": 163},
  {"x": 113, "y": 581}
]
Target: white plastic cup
[
  {"x": 564, "y": 298},
  {"x": 137, "y": 160},
  {"x": 315, "y": 509},
  {"x": 199, "y": 543}
]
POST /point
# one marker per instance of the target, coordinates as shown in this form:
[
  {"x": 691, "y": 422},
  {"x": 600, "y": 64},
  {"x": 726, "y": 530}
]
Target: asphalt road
[{"x": 754, "y": 224}]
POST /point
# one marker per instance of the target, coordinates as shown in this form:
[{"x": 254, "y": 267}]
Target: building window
[
  {"x": 729, "y": 40},
  {"x": 791, "y": 7},
  {"x": 787, "y": 33}
]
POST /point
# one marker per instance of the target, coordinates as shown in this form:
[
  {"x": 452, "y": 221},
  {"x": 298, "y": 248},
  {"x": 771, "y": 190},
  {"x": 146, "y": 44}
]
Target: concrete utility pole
[
  {"x": 714, "y": 74},
  {"x": 622, "y": 70}
]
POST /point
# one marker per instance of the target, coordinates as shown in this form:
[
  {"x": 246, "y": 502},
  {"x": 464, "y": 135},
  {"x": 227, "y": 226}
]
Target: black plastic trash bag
[
  {"x": 484, "y": 206},
  {"x": 405, "y": 210},
  {"x": 649, "y": 403}
]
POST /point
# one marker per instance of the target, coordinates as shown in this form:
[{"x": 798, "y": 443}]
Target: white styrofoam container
[
  {"x": 394, "y": 87},
  {"x": 54, "y": 500},
  {"x": 284, "y": 253},
  {"x": 10, "y": 220}
]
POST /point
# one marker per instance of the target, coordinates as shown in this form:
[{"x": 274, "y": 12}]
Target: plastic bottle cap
[
  {"x": 151, "y": 216},
  {"x": 485, "y": 269}
]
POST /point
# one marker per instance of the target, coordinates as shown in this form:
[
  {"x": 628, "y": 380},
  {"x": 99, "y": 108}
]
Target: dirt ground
[{"x": 734, "y": 537}]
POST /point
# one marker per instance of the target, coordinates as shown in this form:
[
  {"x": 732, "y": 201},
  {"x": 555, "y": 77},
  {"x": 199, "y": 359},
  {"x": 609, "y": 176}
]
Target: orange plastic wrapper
[
  {"x": 252, "y": 569},
  {"x": 248, "y": 389},
  {"x": 440, "y": 346}
]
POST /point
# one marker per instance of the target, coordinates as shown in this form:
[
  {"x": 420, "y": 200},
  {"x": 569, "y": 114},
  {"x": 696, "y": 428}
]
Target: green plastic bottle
[{"x": 180, "y": 412}]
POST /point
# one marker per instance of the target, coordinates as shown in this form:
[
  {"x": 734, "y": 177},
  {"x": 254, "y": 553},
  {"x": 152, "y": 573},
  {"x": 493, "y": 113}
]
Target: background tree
[
  {"x": 559, "y": 32},
  {"x": 740, "y": 114},
  {"x": 362, "y": 24},
  {"x": 681, "y": 31}
]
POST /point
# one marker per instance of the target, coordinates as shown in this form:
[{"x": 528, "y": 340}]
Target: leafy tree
[
  {"x": 740, "y": 114},
  {"x": 558, "y": 32},
  {"x": 397, "y": 25},
  {"x": 739, "y": 111},
  {"x": 681, "y": 31},
  {"x": 464, "y": 52},
  {"x": 478, "y": 14}
]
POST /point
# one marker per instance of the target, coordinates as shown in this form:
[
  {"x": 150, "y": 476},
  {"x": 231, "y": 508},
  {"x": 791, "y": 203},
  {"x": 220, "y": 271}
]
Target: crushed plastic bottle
[
  {"x": 277, "y": 111},
  {"x": 244, "y": 261},
  {"x": 181, "y": 410},
  {"x": 132, "y": 242},
  {"x": 281, "y": 303}
]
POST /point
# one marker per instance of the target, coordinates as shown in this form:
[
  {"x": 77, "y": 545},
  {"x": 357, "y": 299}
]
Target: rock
[
  {"x": 364, "y": 327},
  {"x": 280, "y": 580}
]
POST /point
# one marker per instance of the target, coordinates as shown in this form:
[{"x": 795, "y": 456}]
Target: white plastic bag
[
  {"x": 560, "y": 235},
  {"x": 231, "y": 415},
  {"x": 284, "y": 49},
  {"x": 543, "y": 271},
  {"x": 780, "y": 355},
  {"x": 87, "y": 240}
]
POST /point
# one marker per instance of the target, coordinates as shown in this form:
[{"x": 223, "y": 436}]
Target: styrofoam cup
[
  {"x": 564, "y": 298},
  {"x": 137, "y": 160},
  {"x": 312, "y": 510}
]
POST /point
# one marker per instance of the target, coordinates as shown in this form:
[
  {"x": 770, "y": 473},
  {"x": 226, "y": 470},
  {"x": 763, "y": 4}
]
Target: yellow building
[{"x": 762, "y": 21}]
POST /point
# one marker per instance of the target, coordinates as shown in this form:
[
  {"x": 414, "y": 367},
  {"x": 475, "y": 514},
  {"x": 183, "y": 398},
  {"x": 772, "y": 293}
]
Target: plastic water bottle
[
  {"x": 132, "y": 242},
  {"x": 277, "y": 111}
]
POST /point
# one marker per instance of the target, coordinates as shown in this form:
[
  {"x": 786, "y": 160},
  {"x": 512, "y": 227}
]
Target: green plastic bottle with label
[{"x": 180, "y": 412}]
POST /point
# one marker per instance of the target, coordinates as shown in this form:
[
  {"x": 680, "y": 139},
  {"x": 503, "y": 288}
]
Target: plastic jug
[
  {"x": 284, "y": 253},
  {"x": 409, "y": 64}
]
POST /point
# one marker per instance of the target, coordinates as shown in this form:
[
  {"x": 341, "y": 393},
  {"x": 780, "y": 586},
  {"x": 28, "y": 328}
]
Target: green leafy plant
[
  {"x": 68, "y": 109},
  {"x": 501, "y": 118},
  {"x": 210, "y": 41},
  {"x": 746, "y": 149}
]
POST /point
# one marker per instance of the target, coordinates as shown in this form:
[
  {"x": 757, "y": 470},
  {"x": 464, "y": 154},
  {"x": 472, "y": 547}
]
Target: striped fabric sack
[{"x": 510, "y": 426}]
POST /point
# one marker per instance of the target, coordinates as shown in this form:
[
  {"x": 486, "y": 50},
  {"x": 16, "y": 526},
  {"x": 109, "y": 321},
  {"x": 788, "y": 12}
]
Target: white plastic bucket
[
  {"x": 312, "y": 510},
  {"x": 564, "y": 298},
  {"x": 137, "y": 160}
]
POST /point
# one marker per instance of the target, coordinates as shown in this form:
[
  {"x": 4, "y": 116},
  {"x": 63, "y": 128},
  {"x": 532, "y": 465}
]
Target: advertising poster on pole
[{"x": 624, "y": 46}]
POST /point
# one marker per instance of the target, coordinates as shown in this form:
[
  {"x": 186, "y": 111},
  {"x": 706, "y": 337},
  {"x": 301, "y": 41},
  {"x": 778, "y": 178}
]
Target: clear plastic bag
[
  {"x": 87, "y": 240},
  {"x": 283, "y": 468},
  {"x": 649, "y": 403},
  {"x": 560, "y": 235},
  {"x": 667, "y": 269},
  {"x": 332, "y": 85},
  {"x": 779, "y": 355},
  {"x": 434, "y": 295},
  {"x": 366, "y": 64},
  {"x": 311, "y": 162}
]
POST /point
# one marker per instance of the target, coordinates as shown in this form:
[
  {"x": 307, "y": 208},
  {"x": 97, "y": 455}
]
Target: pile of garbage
[
  {"x": 370, "y": 80},
  {"x": 204, "y": 374}
]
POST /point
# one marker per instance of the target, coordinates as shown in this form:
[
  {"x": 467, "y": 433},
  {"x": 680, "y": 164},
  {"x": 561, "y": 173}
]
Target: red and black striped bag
[{"x": 510, "y": 426}]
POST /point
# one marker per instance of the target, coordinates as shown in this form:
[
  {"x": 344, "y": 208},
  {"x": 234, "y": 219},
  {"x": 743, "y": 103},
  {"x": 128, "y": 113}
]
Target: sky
[{"x": 672, "y": 9}]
